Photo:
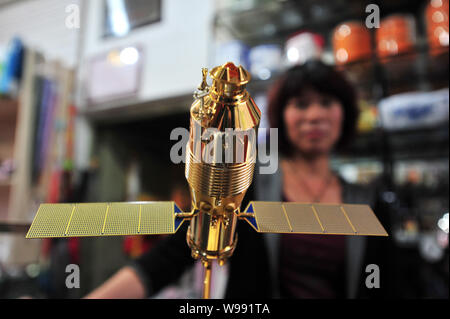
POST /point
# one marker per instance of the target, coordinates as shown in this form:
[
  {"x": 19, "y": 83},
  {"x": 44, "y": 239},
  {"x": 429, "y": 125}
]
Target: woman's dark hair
[{"x": 322, "y": 78}]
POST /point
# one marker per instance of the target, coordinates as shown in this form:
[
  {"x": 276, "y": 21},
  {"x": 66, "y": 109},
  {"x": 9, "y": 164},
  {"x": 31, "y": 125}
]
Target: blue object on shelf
[{"x": 12, "y": 68}]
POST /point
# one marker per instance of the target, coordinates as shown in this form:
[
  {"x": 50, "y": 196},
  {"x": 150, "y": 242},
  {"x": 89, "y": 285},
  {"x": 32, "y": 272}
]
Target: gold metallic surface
[
  {"x": 103, "y": 219},
  {"x": 364, "y": 220},
  {"x": 218, "y": 181},
  {"x": 50, "y": 221},
  {"x": 302, "y": 218},
  {"x": 212, "y": 236},
  {"x": 219, "y": 168},
  {"x": 270, "y": 217},
  {"x": 306, "y": 218}
]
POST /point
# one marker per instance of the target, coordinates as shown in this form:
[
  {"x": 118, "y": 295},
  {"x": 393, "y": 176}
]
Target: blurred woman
[{"x": 314, "y": 108}]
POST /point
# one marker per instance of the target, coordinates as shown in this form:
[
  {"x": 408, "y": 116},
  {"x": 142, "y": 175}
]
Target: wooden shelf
[
  {"x": 8, "y": 123},
  {"x": 6, "y": 183},
  {"x": 5, "y": 191},
  {"x": 8, "y": 108}
]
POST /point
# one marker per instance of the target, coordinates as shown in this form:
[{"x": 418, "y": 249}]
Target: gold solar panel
[
  {"x": 103, "y": 219},
  {"x": 270, "y": 217},
  {"x": 50, "y": 221},
  {"x": 157, "y": 218},
  {"x": 332, "y": 219},
  {"x": 304, "y": 218},
  {"x": 87, "y": 220},
  {"x": 123, "y": 218},
  {"x": 364, "y": 220}
]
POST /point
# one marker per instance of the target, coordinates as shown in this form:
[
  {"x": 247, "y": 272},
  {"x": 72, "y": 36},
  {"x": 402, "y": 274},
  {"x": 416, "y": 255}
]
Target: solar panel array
[
  {"x": 151, "y": 218},
  {"x": 103, "y": 219},
  {"x": 313, "y": 218}
]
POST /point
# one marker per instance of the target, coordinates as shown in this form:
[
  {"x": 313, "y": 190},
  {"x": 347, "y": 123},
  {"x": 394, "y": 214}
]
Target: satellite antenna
[{"x": 220, "y": 161}]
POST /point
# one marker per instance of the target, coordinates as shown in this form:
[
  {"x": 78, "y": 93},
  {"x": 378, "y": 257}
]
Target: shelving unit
[
  {"x": 24, "y": 125},
  {"x": 8, "y": 119},
  {"x": 274, "y": 21},
  {"x": 421, "y": 69},
  {"x": 15, "y": 193}
]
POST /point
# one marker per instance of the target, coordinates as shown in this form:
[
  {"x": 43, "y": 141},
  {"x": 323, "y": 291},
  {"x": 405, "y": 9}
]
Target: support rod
[{"x": 207, "y": 280}]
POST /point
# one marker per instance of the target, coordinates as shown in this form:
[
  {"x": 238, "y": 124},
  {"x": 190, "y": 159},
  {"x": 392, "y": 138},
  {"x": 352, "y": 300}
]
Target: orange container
[
  {"x": 436, "y": 17},
  {"x": 396, "y": 35},
  {"x": 351, "y": 42}
]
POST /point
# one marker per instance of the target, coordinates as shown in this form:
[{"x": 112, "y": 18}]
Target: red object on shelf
[
  {"x": 396, "y": 35},
  {"x": 351, "y": 42},
  {"x": 436, "y": 17},
  {"x": 302, "y": 46}
]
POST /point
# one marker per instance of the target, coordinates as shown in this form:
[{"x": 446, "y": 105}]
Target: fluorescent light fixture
[{"x": 118, "y": 17}]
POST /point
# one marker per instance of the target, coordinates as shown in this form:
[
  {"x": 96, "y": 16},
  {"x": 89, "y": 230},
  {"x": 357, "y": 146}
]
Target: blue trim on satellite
[
  {"x": 250, "y": 209},
  {"x": 177, "y": 210},
  {"x": 252, "y": 220},
  {"x": 178, "y": 221}
]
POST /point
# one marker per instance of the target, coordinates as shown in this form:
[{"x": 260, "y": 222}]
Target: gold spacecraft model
[{"x": 219, "y": 170}]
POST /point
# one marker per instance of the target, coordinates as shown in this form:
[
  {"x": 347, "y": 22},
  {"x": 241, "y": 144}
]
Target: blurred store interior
[{"x": 90, "y": 91}]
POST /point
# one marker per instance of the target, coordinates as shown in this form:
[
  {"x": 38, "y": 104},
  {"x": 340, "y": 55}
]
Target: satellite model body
[{"x": 220, "y": 160}]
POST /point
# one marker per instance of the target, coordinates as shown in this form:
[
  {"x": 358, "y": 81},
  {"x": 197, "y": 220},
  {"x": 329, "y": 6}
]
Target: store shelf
[
  {"x": 8, "y": 109},
  {"x": 425, "y": 143},
  {"x": 415, "y": 70},
  {"x": 15, "y": 227},
  {"x": 8, "y": 120},
  {"x": 404, "y": 144},
  {"x": 5, "y": 183},
  {"x": 274, "y": 21},
  {"x": 5, "y": 191}
]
